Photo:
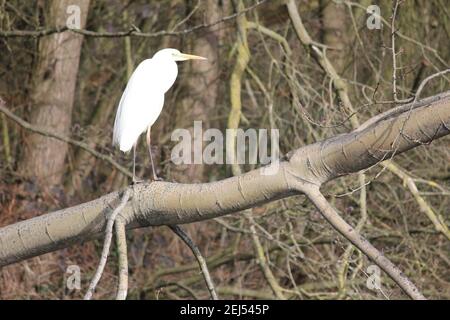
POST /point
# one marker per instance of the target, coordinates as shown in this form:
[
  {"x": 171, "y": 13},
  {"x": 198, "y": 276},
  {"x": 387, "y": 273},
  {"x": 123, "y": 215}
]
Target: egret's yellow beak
[{"x": 183, "y": 57}]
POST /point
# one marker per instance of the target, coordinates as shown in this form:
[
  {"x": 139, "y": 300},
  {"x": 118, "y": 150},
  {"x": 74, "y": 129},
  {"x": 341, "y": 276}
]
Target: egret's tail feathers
[
  {"x": 124, "y": 146},
  {"x": 124, "y": 142}
]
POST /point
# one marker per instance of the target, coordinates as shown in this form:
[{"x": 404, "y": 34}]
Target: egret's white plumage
[{"x": 143, "y": 98}]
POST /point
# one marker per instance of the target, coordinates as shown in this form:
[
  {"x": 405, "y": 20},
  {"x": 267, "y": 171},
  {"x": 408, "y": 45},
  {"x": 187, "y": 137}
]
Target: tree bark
[
  {"x": 53, "y": 95},
  {"x": 164, "y": 203},
  {"x": 202, "y": 86}
]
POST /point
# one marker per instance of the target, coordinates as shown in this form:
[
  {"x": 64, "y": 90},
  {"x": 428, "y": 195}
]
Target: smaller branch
[
  {"x": 272, "y": 34},
  {"x": 6, "y": 140},
  {"x": 107, "y": 244},
  {"x": 180, "y": 286},
  {"x": 188, "y": 16},
  {"x": 437, "y": 220},
  {"x": 198, "y": 255},
  {"x": 394, "y": 54},
  {"x": 395, "y": 112},
  {"x": 345, "y": 264},
  {"x": 28, "y": 126},
  {"x": 133, "y": 31},
  {"x": 243, "y": 292},
  {"x": 235, "y": 114},
  {"x": 121, "y": 241},
  {"x": 321, "y": 58},
  {"x": 425, "y": 81},
  {"x": 262, "y": 261},
  {"x": 351, "y": 234},
  {"x": 401, "y": 35}
]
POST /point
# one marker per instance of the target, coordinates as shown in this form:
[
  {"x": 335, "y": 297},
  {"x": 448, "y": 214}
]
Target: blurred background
[{"x": 71, "y": 84}]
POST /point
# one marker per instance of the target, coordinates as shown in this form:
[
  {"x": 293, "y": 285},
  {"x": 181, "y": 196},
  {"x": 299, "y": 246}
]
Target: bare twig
[
  {"x": 178, "y": 285},
  {"x": 403, "y": 108},
  {"x": 344, "y": 266},
  {"x": 401, "y": 35},
  {"x": 351, "y": 234},
  {"x": 235, "y": 114},
  {"x": 5, "y": 139},
  {"x": 107, "y": 244},
  {"x": 394, "y": 54},
  {"x": 188, "y": 16},
  {"x": 198, "y": 255},
  {"x": 28, "y": 126},
  {"x": 425, "y": 81},
  {"x": 133, "y": 31},
  {"x": 262, "y": 261}
]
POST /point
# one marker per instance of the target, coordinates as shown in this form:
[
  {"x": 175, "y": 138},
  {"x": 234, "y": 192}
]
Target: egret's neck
[{"x": 167, "y": 73}]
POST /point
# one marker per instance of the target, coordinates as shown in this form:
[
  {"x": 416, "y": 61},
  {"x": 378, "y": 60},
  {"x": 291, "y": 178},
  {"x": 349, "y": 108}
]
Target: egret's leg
[
  {"x": 135, "y": 180},
  {"x": 155, "y": 177},
  {"x": 134, "y": 163}
]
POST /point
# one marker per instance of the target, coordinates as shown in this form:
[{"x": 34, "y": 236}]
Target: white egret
[{"x": 143, "y": 100}]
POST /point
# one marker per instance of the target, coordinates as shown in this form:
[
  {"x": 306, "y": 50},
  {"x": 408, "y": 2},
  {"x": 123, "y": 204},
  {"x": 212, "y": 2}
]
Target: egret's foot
[
  {"x": 158, "y": 179},
  {"x": 137, "y": 181}
]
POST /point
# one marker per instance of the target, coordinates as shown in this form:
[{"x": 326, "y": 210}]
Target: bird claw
[
  {"x": 137, "y": 181},
  {"x": 158, "y": 179}
]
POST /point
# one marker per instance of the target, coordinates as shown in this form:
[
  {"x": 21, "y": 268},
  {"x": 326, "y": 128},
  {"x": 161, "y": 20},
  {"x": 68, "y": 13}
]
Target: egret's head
[{"x": 176, "y": 55}]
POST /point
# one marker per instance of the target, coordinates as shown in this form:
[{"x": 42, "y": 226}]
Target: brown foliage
[{"x": 287, "y": 91}]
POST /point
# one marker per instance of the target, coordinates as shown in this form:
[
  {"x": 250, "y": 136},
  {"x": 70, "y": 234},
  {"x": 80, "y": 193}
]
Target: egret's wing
[{"x": 140, "y": 105}]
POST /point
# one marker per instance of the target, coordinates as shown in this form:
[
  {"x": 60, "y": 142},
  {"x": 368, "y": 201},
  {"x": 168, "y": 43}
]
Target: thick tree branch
[
  {"x": 164, "y": 203},
  {"x": 106, "y": 245}
]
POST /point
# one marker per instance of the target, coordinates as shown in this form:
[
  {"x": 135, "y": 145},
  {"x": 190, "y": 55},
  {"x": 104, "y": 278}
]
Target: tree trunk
[
  {"x": 333, "y": 35},
  {"x": 202, "y": 86},
  {"x": 53, "y": 95}
]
